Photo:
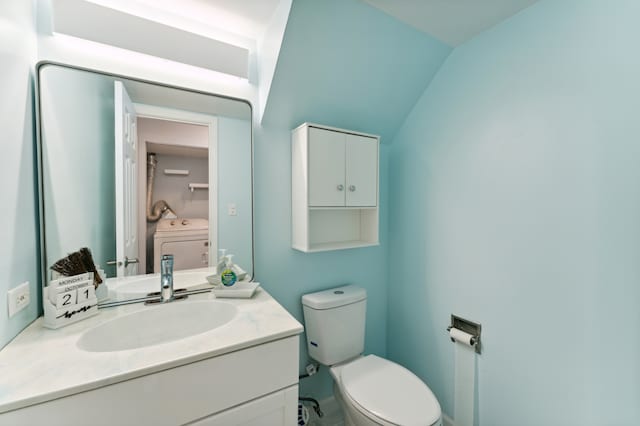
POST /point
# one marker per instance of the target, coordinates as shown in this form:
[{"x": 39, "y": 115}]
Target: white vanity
[
  {"x": 165, "y": 370},
  {"x": 201, "y": 361}
]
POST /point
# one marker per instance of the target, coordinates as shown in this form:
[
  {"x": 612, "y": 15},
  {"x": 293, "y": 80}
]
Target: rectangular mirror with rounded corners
[{"x": 133, "y": 169}]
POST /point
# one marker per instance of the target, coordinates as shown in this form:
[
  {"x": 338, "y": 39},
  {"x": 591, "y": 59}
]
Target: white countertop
[{"x": 42, "y": 364}]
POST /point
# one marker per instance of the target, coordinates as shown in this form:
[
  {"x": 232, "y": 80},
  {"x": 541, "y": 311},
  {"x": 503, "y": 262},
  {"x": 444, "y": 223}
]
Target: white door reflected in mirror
[{"x": 126, "y": 134}]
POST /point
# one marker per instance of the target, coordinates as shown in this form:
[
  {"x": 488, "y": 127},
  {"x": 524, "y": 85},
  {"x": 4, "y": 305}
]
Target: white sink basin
[{"x": 157, "y": 324}]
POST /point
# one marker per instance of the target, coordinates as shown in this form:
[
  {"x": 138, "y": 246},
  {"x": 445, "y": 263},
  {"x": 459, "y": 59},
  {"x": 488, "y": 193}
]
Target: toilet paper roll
[
  {"x": 465, "y": 373},
  {"x": 461, "y": 336}
]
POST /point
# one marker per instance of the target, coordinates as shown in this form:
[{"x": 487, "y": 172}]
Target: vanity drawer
[
  {"x": 276, "y": 409},
  {"x": 175, "y": 396}
]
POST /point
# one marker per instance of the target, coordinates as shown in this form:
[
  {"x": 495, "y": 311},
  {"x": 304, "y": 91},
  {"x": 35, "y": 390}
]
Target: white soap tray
[{"x": 240, "y": 290}]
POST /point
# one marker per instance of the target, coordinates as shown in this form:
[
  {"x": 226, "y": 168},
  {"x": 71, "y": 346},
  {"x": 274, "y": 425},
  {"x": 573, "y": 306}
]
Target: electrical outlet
[
  {"x": 232, "y": 210},
  {"x": 18, "y": 298}
]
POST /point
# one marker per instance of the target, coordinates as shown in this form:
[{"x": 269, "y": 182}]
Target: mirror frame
[{"x": 40, "y": 160}]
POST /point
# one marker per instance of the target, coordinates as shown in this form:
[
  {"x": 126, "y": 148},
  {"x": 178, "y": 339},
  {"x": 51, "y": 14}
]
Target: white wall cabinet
[
  {"x": 343, "y": 169},
  {"x": 334, "y": 188}
]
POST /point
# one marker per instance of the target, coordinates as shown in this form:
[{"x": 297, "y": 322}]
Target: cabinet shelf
[
  {"x": 342, "y": 208},
  {"x": 334, "y": 189},
  {"x": 344, "y": 245}
]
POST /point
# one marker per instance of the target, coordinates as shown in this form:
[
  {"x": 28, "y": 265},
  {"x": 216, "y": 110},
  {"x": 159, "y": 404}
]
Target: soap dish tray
[{"x": 240, "y": 290}]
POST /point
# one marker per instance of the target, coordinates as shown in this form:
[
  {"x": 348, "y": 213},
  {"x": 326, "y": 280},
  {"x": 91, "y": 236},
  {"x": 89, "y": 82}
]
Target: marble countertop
[{"x": 42, "y": 364}]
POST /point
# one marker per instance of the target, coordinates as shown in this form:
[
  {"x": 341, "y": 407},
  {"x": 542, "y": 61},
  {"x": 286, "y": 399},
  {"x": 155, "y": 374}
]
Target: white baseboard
[
  {"x": 329, "y": 405},
  {"x": 447, "y": 421},
  {"x": 333, "y": 415}
]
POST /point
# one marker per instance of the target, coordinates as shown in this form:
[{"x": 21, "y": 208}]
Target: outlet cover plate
[{"x": 18, "y": 298}]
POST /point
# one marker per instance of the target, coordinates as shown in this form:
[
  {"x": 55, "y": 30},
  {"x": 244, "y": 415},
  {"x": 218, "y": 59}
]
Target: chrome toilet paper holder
[{"x": 470, "y": 327}]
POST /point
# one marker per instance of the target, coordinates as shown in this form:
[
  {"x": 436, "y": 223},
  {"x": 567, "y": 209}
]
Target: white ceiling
[
  {"x": 248, "y": 18},
  {"x": 451, "y": 21},
  {"x": 244, "y": 18}
]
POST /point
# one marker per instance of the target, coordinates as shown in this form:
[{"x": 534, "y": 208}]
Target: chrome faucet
[{"x": 166, "y": 278}]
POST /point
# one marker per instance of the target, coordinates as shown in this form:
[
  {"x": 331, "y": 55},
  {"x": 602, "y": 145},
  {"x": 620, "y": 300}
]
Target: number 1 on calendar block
[{"x": 86, "y": 293}]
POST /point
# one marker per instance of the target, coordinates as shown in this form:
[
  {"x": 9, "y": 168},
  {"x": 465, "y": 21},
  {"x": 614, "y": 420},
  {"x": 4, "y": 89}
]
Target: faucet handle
[
  {"x": 167, "y": 260},
  {"x": 166, "y": 278}
]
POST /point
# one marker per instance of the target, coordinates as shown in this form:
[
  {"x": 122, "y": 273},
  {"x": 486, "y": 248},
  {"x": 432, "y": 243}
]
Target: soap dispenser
[
  {"x": 228, "y": 276},
  {"x": 222, "y": 262}
]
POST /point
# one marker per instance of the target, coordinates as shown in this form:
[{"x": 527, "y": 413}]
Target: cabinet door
[
  {"x": 361, "y": 171},
  {"x": 326, "y": 168}
]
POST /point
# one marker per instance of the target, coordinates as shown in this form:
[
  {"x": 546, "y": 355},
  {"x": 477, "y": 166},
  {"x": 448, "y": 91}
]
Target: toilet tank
[{"x": 335, "y": 323}]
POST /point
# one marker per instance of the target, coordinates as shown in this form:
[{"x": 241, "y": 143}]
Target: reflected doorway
[{"x": 176, "y": 202}]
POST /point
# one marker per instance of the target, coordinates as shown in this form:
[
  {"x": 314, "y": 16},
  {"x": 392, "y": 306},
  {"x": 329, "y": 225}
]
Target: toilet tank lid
[{"x": 334, "y": 297}]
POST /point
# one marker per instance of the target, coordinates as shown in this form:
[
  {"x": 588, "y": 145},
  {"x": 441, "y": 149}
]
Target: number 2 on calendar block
[{"x": 66, "y": 299}]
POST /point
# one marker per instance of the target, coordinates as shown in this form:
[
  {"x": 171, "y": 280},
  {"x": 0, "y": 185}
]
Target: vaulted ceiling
[
  {"x": 451, "y": 21},
  {"x": 346, "y": 64}
]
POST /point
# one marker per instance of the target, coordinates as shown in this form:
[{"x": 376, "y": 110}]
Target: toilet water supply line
[
  {"x": 316, "y": 405},
  {"x": 311, "y": 370},
  {"x": 160, "y": 208}
]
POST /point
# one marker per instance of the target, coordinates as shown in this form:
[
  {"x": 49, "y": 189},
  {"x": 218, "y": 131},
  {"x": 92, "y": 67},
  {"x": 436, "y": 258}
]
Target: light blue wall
[
  {"x": 18, "y": 214},
  {"x": 234, "y": 177},
  {"x": 515, "y": 202},
  {"x": 338, "y": 66},
  {"x": 346, "y": 64}
]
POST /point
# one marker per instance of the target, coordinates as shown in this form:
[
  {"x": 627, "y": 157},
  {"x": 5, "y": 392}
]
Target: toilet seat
[{"x": 389, "y": 393}]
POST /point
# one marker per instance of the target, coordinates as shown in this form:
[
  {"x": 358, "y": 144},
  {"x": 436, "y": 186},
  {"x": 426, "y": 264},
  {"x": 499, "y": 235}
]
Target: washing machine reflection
[{"x": 186, "y": 239}]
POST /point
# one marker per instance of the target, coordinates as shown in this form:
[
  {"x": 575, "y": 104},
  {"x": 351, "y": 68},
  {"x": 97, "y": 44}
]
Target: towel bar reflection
[
  {"x": 176, "y": 172},
  {"x": 194, "y": 186}
]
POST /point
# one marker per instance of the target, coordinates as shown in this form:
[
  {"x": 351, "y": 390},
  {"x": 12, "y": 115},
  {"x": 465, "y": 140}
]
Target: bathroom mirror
[{"x": 133, "y": 169}]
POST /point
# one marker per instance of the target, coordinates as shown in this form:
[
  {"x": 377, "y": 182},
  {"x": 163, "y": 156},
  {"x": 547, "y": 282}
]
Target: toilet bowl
[
  {"x": 375, "y": 391},
  {"x": 371, "y": 390}
]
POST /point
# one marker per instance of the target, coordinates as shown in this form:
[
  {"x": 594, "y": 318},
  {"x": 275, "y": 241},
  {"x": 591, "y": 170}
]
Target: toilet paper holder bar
[{"x": 469, "y": 327}]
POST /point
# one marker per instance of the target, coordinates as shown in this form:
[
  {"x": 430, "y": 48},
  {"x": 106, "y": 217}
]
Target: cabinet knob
[
  {"x": 340, "y": 187},
  {"x": 352, "y": 188}
]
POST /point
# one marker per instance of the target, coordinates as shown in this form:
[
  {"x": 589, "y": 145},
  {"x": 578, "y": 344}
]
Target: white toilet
[{"x": 370, "y": 389}]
